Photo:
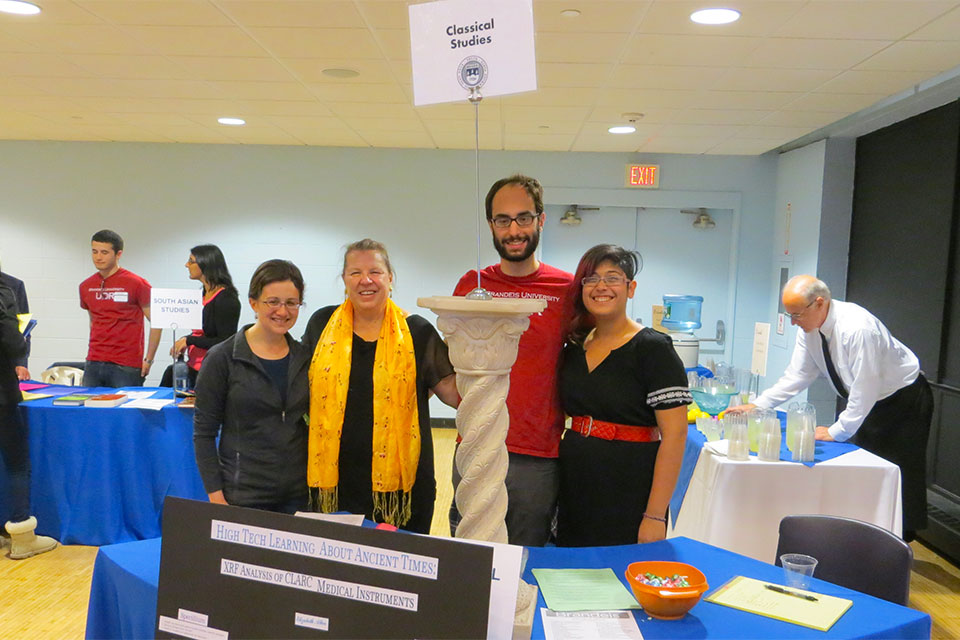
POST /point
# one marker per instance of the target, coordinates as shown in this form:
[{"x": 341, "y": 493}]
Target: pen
[{"x": 779, "y": 589}]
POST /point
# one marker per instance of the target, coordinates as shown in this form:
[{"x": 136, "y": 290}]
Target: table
[
  {"x": 123, "y": 594},
  {"x": 738, "y": 505},
  {"x": 99, "y": 475}
]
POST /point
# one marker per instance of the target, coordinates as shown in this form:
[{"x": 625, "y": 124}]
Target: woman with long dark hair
[
  {"x": 626, "y": 391},
  {"x": 221, "y": 310}
]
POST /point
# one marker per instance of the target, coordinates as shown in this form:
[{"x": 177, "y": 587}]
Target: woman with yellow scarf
[{"x": 370, "y": 449}]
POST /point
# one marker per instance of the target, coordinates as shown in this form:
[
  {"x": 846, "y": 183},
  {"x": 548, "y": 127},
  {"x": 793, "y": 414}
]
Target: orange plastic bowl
[{"x": 666, "y": 603}]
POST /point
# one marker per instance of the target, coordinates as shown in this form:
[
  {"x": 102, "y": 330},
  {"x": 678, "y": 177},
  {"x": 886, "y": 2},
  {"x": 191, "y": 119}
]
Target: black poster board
[{"x": 244, "y": 573}]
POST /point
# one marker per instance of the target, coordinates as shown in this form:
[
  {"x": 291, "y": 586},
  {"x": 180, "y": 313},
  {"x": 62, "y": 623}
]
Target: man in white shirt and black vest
[{"x": 889, "y": 403}]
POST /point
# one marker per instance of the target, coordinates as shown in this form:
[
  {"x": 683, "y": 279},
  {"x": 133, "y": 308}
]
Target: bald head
[
  {"x": 804, "y": 289},
  {"x": 807, "y": 300}
]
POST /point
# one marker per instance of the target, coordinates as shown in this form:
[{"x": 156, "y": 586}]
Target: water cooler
[{"x": 681, "y": 317}]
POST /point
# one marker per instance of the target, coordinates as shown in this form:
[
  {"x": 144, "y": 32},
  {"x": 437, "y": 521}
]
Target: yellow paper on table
[
  {"x": 22, "y": 320},
  {"x": 29, "y": 395},
  {"x": 752, "y": 595}
]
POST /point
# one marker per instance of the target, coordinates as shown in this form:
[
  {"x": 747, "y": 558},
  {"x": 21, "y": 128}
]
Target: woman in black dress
[
  {"x": 221, "y": 310},
  {"x": 372, "y": 373},
  {"x": 626, "y": 390}
]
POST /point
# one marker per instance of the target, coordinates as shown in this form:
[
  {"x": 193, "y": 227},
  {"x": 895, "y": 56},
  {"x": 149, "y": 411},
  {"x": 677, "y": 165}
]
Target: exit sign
[{"x": 643, "y": 176}]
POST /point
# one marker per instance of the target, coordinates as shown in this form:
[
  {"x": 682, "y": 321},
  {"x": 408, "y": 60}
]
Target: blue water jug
[{"x": 681, "y": 313}]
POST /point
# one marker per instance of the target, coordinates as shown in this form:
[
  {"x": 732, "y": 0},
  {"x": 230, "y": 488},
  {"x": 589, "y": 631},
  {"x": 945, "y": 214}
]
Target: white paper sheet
[
  {"x": 608, "y": 625},
  {"x": 151, "y": 404}
]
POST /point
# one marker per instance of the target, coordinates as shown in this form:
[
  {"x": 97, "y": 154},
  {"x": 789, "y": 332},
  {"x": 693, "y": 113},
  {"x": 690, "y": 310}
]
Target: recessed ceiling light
[
  {"x": 19, "y": 7},
  {"x": 341, "y": 73},
  {"x": 715, "y": 16},
  {"x": 234, "y": 122},
  {"x": 570, "y": 13},
  {"x": 622, "y": 129}
]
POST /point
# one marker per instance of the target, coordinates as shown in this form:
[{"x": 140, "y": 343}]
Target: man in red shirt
[
  {"x": 515, "y": 215},
  {"x": 117, "y": 301}
]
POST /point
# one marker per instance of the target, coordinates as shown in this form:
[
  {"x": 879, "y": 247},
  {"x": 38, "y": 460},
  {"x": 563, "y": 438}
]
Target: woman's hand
[
  {"x": 651, "y": 531},
  {"x": 217, "y": 497},
  {"x": 178, "y": 347}
]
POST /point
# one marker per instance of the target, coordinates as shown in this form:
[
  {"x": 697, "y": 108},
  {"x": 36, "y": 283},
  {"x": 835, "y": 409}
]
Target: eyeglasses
[
  {"x": 611, "y": 280},
  {"x": 191, "y": 261},
  {"x": 799, "y": 314},
  {"x": 524, "y": 219},
  {"x": 276, "y": 303}
]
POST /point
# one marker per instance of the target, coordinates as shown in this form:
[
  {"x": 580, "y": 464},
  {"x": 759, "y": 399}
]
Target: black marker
[{"x": 779, "y": 589}]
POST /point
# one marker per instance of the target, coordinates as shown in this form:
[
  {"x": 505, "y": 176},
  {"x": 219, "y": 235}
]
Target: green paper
[{"x": 583, "y": 590}]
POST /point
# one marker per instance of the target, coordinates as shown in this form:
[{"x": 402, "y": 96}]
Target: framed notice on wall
[{"x": 230, "y": 572}]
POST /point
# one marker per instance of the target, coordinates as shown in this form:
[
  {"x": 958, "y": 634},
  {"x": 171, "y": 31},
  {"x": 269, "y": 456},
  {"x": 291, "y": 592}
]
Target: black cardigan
[{"x": 220, "y": 318}]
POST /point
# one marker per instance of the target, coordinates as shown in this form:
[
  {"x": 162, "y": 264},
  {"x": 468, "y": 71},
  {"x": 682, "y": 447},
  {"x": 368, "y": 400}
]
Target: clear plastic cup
[
  {"x": 768, "y": 446},
  {"x": 755, "y": 420},
  {"x": 805, "y": 449},
  {"x": 798, "y": 568},
  {"x": 735, "y": 428}
]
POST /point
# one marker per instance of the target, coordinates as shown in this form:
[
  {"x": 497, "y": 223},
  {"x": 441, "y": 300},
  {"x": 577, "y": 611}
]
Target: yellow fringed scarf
[{"x": 396, "y": 421}]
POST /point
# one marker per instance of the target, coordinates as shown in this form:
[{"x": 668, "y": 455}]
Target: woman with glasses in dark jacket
[{"x": 252, "y": 393}]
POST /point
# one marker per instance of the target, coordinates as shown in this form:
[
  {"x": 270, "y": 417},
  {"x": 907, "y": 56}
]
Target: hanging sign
[
  {"x": 459, "y": 45},
  {"x": 176, "y": 308}
]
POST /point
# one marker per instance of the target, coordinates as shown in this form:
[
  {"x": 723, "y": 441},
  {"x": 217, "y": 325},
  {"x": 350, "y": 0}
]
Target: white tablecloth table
[{"x": 738, "y": 505}]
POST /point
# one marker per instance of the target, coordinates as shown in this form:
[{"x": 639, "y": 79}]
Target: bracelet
[
  {"x": 148, "y": 361},
  {"x": 647, "y": 515}
]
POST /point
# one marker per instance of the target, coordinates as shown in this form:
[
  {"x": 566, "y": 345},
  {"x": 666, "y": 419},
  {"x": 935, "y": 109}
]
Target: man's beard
[{"x": 532, "y": 242}]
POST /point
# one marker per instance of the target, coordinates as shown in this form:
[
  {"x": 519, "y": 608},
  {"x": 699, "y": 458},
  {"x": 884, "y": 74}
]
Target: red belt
[{"x": 587, "y": 426}]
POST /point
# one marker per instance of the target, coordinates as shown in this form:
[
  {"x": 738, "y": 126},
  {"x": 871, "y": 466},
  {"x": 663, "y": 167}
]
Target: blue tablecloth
[
  {"x": 869, "y": 617},
  {"x": 100, "y": 474},
  {"x": 123, "y": 594}
]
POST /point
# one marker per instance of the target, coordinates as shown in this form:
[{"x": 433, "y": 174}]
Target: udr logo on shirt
[{"x": 115, "y": 296}]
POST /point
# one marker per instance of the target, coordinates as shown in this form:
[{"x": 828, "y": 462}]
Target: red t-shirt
[
  {"x": 116, "y": 312},
  {"x": 536, "y": 417}
]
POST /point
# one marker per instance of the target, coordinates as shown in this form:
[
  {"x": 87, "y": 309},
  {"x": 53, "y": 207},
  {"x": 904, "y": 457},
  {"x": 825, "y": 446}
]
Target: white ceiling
[{"x": 165, "y": 70}]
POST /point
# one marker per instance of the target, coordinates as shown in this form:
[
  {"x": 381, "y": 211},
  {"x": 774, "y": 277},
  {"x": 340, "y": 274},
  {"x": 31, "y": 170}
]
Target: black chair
[{"x": 851, "y": 553}]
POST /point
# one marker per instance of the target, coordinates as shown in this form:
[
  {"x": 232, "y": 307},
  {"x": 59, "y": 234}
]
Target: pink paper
[{"x": 30, "y": 386}]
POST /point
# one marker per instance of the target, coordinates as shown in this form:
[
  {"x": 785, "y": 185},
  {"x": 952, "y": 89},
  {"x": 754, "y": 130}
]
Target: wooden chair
[{"x": 851, "y": 553}]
